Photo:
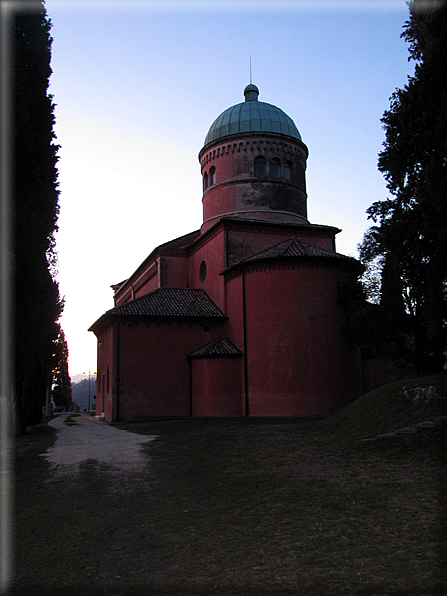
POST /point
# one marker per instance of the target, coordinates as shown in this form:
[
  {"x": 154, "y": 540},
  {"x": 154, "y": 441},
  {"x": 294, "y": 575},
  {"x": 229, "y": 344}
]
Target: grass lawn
[{"x": 245, "y": 507}]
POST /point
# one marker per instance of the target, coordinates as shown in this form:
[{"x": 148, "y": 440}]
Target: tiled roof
[
  {"x": 291, "y": 249},
  {"x": 218, "y": 348},
  {"x": 170, "y": 302}
]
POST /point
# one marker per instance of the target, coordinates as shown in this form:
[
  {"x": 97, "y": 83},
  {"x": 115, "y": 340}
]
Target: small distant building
[{"x": 239, "y": 318}]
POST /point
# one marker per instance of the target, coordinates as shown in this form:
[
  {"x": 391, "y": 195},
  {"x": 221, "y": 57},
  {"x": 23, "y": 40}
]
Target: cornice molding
[{"x": 257, "y": 145}]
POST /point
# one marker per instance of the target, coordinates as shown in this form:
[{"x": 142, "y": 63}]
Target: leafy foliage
[
  {"x": 409, "y": 240},
  {"x": 381, "y": 333},
  {"x": 37, "y": 301}
]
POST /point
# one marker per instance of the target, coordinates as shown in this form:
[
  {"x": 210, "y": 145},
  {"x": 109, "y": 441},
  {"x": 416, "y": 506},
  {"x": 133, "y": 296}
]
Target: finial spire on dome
[{"x": 250, "y": 70}]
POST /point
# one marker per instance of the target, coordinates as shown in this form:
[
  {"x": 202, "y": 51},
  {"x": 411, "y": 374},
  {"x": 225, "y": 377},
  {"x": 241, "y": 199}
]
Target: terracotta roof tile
[
  {"x": 292, "y": 248},
  {"x": 170, "y": 302},
  {"x": 218, "y": 348}
]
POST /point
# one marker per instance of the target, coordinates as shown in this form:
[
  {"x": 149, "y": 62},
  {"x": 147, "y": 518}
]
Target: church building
[{"x": 240, "y": 317}]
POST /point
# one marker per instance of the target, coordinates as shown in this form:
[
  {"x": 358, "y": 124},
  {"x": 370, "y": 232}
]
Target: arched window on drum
[
  {"x": 275, "y": 168},
  {"x": 212, "y": 178},
  {"x": 260, "y": 167},
  {"x": 288, "y": 170}
]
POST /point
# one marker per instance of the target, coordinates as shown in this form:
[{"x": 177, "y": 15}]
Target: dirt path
[{"x": 118, "y": 450}]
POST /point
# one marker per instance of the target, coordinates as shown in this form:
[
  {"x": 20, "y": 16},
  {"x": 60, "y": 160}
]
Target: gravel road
[{"x": 117, "y": 451}]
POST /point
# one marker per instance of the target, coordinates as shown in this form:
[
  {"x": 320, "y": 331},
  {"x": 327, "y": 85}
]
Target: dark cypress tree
[
  {"x": 61, "y": 393},
  {"x": 37, "y": 301},
  {"x": 410, "y": 234}
]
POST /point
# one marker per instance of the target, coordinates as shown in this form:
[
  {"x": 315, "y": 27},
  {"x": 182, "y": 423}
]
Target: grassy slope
[
  {"x": 387, "y": 408},
  {"x": 242, "y": 507}
]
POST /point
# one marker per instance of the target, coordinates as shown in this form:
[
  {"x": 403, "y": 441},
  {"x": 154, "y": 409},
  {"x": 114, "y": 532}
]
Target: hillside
[
  {"x": 80, "y": 392},
  {"x": 392, "y": 406}
]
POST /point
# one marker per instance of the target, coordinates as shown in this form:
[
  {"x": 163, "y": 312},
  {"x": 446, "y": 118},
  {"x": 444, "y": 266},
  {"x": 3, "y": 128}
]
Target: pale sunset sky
[{"x": 138, "y": 84}]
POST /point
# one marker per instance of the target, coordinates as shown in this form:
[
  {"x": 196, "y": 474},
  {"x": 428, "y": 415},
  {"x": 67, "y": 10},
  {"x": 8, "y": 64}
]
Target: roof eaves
[
  {"x": 304, "y": 259},
  {"x": 280, "y": 224}
]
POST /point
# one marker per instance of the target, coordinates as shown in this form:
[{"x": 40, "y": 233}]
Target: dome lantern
[{"x": 251, "y": 92}]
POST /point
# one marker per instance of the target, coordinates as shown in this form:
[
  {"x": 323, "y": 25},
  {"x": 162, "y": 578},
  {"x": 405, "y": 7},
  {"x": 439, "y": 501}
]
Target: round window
[{"x": 202, "y": 271}]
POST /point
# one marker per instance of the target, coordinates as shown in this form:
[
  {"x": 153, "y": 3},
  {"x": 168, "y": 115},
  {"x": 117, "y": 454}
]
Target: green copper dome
[{"x": 252, "y": 116}]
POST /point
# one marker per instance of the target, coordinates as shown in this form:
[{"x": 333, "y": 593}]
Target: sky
[{"x": 137, "y": 84}]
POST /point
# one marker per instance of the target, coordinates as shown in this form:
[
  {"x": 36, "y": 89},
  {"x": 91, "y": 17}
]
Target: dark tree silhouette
[
  {"x": 409, "y": 237},
  {"x": 62, "y": 392},
  {"x": 35, "y": 211}
]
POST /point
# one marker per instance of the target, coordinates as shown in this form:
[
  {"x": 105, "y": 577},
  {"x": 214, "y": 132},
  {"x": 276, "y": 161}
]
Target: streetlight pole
[
  {"x": 89, "y": 380},
  {"x": 94, "y": 384}
]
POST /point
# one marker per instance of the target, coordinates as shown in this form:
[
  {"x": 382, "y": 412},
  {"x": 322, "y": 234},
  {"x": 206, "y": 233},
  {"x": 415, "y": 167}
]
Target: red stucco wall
[
  {"x": 212, "y": 253},
  {"x": 234, "y": 310},
  {"x": 104, "y": 367},
  {"x": 154, "y": 370},
  {"x": 298, "y": 362},
  {"x": 174, "y": 272},
  {"x": 217, "y": 387}
]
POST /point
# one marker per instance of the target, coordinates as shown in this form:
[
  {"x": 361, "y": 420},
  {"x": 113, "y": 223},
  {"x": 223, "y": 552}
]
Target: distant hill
[
  {"x": 80, "y": 391},
  {"x": 78, "y": 378}
]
